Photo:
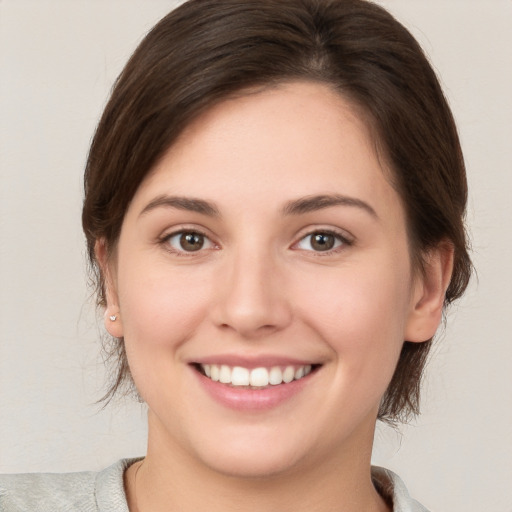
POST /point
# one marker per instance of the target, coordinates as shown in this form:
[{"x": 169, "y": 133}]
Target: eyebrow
[
  {"x": 190, "y": 204},
  {"x": 296, "y": 207},
  {"x": 319, "y": 202}
]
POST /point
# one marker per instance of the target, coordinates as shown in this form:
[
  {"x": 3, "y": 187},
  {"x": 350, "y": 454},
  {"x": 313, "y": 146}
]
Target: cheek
[
  {"x": 357, "y": 299},
  {"x": 161, "y": 306},
  {"x": 361, "y": 314},
  {"x": 161, "y": 310}
]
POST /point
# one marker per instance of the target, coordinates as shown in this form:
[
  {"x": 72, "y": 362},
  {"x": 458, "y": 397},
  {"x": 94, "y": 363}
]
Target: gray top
[{"x": 104, "y": 491}]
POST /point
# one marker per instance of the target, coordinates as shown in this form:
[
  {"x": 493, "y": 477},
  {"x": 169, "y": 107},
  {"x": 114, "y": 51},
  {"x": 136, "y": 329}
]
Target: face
[{"x": 264, "y": 286}]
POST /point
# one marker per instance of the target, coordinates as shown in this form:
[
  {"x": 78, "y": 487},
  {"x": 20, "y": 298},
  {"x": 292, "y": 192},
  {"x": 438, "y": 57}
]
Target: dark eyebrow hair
[
  {"x": 183, "y": 203},
  {"x": 319, "y": 202},
  {"x": 296, "y": 207}
]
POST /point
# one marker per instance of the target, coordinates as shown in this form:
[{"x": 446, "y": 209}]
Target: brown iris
[
  {"x": 191, "y": 241},
  {"x": 322, "y": 241}
]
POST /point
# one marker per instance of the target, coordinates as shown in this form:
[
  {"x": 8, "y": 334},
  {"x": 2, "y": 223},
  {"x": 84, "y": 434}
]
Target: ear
[
  {"x": 112, "y": 317},
  {"x": 429, "y": 293}
]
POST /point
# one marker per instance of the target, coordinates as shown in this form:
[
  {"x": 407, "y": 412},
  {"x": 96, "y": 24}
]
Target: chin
[
  {"x": 257, "y": 466},
  {"x": 250, "y": 456}
]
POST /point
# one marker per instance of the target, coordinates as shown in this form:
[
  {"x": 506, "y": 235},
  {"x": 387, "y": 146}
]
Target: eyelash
[
  {"x": 343, "y": 240},
  {"x": 165, "y": 241}
]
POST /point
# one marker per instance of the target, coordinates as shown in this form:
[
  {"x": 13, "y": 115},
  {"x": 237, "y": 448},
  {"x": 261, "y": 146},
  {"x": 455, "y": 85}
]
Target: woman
[{"x": 274, "y": 204}]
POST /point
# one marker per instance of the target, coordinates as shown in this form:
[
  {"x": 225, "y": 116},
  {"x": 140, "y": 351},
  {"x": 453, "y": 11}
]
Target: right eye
[{"x": 188, "y": 241}]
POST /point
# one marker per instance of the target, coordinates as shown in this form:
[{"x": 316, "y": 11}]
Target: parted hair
[{"x": 206, "y": 51}]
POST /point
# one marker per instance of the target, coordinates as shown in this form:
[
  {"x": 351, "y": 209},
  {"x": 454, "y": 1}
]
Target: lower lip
[{"x": 245, "y": 399}]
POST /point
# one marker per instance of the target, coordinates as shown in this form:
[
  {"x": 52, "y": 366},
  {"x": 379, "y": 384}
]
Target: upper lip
[{"x": 260, "y": 361}]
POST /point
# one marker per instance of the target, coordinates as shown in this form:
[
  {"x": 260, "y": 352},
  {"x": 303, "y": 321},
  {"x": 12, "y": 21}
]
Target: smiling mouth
[{"x": 255, "y": 378}]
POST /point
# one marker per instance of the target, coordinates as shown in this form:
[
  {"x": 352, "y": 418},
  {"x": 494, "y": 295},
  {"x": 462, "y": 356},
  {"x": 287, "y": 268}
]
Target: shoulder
[
  {"x": 47, "y": 491},
  {"x": 62, "y": 492},
  {"x": 392, "y": 487}
]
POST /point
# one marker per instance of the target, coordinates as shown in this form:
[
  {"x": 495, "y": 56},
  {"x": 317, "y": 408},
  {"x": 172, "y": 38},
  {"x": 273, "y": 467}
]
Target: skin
[{"x": 259, "y": 287}]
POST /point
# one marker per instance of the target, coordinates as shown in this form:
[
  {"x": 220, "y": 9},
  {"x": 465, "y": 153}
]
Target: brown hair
[{"x": 207, "y": 50}]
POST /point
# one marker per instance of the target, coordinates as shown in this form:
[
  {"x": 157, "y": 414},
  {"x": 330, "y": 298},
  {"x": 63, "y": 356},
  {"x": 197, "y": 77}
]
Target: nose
[{"x": 252, "y": 297}]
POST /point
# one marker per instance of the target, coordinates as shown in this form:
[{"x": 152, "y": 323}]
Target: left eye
[
  {"x": 189, "y": 241},
  {"x": 320, "y": 241}
]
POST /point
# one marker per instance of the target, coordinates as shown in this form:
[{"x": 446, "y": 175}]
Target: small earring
[{"x": 113, "y": 318}]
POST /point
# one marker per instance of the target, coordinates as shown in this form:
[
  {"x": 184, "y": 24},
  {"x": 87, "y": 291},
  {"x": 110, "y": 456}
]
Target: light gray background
[{"x": 58, "y": 60}]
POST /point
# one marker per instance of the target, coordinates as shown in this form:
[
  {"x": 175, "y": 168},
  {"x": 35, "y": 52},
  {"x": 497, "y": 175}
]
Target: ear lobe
[
  {"x": 429, "y": 294},
  {"x": 112, "y": 316}
]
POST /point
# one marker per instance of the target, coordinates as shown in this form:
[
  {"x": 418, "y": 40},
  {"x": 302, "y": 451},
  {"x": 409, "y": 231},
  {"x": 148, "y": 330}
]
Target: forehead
[{"x": 274, "y": 144}]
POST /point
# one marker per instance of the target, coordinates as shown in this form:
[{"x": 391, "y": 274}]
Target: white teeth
[
  {"x": 215, "y": 371},
  {"x": 275, "y": 376},
  {"x": 257, "y": 377},
  {"x": 288, "y": 374},
  {"x": 225, "y": 374},
  {"x": 240, "y": 376}
]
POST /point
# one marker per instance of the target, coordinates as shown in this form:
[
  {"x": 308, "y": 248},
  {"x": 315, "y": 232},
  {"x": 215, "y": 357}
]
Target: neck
[{"x": 170, "y": 479}]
